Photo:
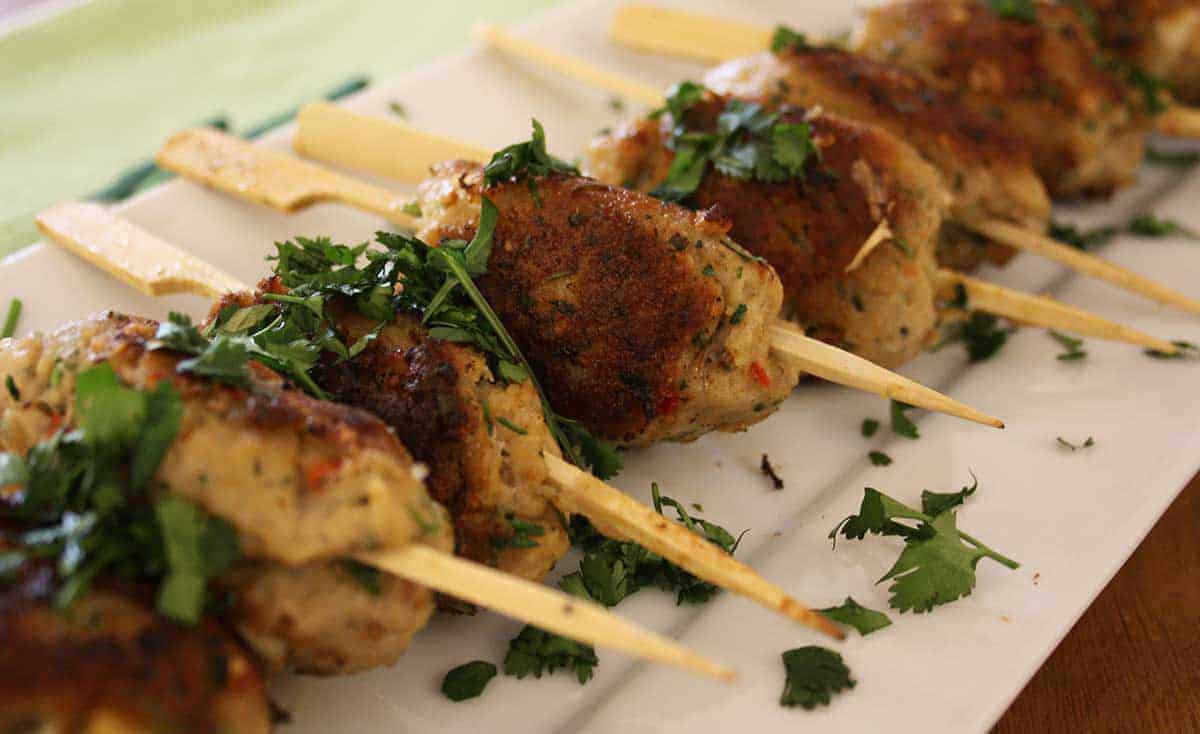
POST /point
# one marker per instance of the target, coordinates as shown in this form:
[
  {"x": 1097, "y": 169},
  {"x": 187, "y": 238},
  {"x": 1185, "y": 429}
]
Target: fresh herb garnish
[
  {"x": 396, "y": 107},
  {"x": 367, "y": 577},
  {"x": 869, "y": 427},
  {"x": 980, "y": 334},
  {"x": 769, "y": 471},
  {"x": 787, "y": 39},
  {"x": 902, "y": 425},
  {"x": 1080, "y": 239},
  {"x": 937, "y": 565},
  {"x": 855, "y": 615},
  {"x": 523, "y": 534},
  {"x": 748, "y": 143},
  {"x": 1186, "y": 350},
  {"x": 1071, "y": 345},
  {"x": 739, "y": 313},
  {"x": 878, "y": 458},
  {"x": 1180, "y": 159},
  {"x": 468, "y": 680},
  {"x": 1090, "y": 442},
  {"x": 1022, "y": 10},
  {"x": 91, "y": 500},
  {"x": 11, "y": 317},
  {"x": 535, "y": 651},
  {"x": 812, "y": 675},
  {"x": 1148, "y": 225},
  {"x": 11, "y": 386},
  {"x": 528, "y": 159}
]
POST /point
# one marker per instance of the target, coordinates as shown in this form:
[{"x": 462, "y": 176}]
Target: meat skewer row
[
  {"x": 442, "y": 402},
  {"x": 1023, "y": 72},
  {"x": 305, "y": 484},
  {"x": 879, "y": 304},
  {"x": 998, "y": 202},
  {"x": 592, "y": 306}
]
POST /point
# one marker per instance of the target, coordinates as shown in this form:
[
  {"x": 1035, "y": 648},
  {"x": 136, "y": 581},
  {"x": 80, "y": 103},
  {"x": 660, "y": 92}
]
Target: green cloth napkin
[{"x": 98, "y": 88}]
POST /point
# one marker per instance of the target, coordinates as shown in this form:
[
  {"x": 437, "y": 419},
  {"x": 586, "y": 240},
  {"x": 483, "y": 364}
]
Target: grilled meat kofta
[
  {"x": 811, "y": 228},
  {"x": 987, "y": 169},
  {"x": 481, "y": 439},
  {"x": 1161, "y": 37},
  {"x": 302, "y": 481},
  {"x": 1044, "y": 79},
  {"x": 641, "y": 319},
  {"x": 113, "y": 664}
]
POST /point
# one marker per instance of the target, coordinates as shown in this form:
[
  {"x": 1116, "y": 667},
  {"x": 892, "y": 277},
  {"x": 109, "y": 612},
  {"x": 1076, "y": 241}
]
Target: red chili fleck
[
  {"x": 318, "y": 473},
  {"x": 759, "y": 374}
]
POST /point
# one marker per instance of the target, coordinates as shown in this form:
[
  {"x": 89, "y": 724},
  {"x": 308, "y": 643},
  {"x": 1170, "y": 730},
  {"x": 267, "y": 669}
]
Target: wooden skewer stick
[
  {"x": 617, "y": 515},
  {"x": 265, "y": 176},
  {"x": 1025, "y": 308},
  {"x": 706, "y": 38},
  {"x": 536, "y": 604},
  {"x": 1179, "y": 121},
  {"x": 1000, "y": 231},
  {"x": 130, "y": 253},
  {"x": 103, "y": 236}
]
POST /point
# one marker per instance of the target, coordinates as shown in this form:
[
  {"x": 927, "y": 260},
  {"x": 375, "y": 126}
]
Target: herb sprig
[
  {"x": 812, "y": 675},
  {"x": 11, "y": 317}
]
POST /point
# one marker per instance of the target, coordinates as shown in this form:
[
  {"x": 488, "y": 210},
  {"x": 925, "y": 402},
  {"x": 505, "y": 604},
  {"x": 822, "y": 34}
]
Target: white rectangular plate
[{"x": 1070, "y": 518}]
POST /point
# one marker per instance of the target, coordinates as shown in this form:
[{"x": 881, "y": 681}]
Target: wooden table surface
[{"x": 1132, "y": 664}]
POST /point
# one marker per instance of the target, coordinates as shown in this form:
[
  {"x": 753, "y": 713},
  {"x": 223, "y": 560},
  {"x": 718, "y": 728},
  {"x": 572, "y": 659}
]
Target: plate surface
[{"x": 1070, "y": 518}]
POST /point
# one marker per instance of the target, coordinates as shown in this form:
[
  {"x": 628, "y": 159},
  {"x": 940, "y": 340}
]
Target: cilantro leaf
[
  {"x": 163, "y": 411},
  {"x": 902, "y": 425},
  {"x": 853, "y": 614},
  {"x": 1021, "y": 10},
  {"x": 536, "y": 652},
  {"x": 935, "y": 503},
  {"x": 812, "y": 675},
  {"x": 528, "y": 158},
  {"x": 1087, "y": 444},
  {"x": 1182, "y": 158},
  {"x": 869, "y": 427},
  {"x": 467, "y": 680},
  {"x": 197, "y": 548},
  {"x": 523, "y": 534},
  {"x": 980, "y": 334},
  {"x": 11, "y": 317},
  {"x": 788, "y": 39},
  {"x": 1186, "y": 350},
  {"x": 367, "y": 577},
  {"x": 878, "y": 458},
  {"x": 1148, "y": 225},
  {"x": 1071, "y": 345}
]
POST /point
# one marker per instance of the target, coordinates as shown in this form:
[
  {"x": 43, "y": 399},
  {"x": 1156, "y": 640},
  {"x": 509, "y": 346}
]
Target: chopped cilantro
[
  {"x": 869, "y": 427},
  {"x": 367, "y": 577},
  {"x": 1080, "y": 239},
  {"x": 855, "y": 615},
  {"x": 878, "y": 458},
  {"x": 511, "y": 426},
  {"x": 525, "y": 159},
  {"x": 1181, "y": 159},
  {"x": 902, "y": 425},
  {"x": 11, "y": 317},
  {"x": 1090, "y": 442},
  {"x": 787, "y": 39},
  {"x": 1022, "y": 10},
  {"x": 535, "y": 651},
  {"x": 739, "y": 313},
  {"x": 1071, "y": 345},
  {"x": 937, "y": 565},
  {"x": 523, "y": 534},
  {"x": 1148, "y": 225},
  {"x": 980, "y": 334},
  {"x": 397, "y": 108},
  {"x": 468, "y": 680},
  {"x": 11, "y": 386},
  {"x": 812, "y": 675},
  {"x": 1186, "y": 350}
]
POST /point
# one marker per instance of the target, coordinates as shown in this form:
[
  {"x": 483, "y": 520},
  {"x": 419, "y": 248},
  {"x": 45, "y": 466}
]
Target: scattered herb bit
[
  {"x": 412, "y": 208},
  {"x": 1080, "y": 239},
  {"x": 1090, "y": 442},
  {"x": 787, "y": 39},
  {"x": 749, "y": 143},
  {"x": 853, "y": 614},
  {"x": 1181, "y": 159},
  {"x": 935, "y": 503},
  {"x": 1022, "y": 10},
  {"x": 878, "y": 458},
  {"x": 812, "y": 675},
  {"x": 11, "y": 318},
  {"x": 368, "y": 577},
  {"x": 535, "y": 651},
  {"x": 962, "y": 299},
  {"x": 1154, "y": 90},
  {"x": 525, "y": 159},
  {"x": 980, "y": 334},
  {"x": 511, "y": 426},
  {"x": 769, "y": 471},
  {"x": 869, "y": 427},
  {"x": 902, "y": 425},
  {"x": 1187, "y": 350},
  {"x": 616, "y": 104},
  {"x": 523, "y": 534},
  {"x": 11, "y": 385},
  {"x": 1148, "y": 225},
  {"x": 1072, "y": 346},
  {"x": 397, "y": 109},
  {"x": 739, "y": 313},
  {"x": 937, "y": 565},
  {"x": 468, "y": 680}
]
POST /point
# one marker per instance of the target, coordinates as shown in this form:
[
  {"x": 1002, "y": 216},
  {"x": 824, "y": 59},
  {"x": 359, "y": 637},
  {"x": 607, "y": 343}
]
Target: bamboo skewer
[
  {"x": 577, "y": 492},
  {"x": 323, "y": 121},
  {"x": 284, "y": 185},
  {"x": 537, "y": 604},
  {"x": 997, "y": 230},
  {"x": 684, "y": 34},
  {"x": 1179, "y": 121}
]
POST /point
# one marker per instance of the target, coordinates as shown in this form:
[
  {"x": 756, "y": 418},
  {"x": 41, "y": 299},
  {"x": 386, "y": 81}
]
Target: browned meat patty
[
  {"x": 113, "y": 664},
  {"x": 986, "y": 169},
  {"x": 1084, "y": 125},
  {"x": 623, "y": 304},
  {"x": 442, "y": 402},
  {"x": 1160, "y": 36},
  {"x": 811, "y": 229}
]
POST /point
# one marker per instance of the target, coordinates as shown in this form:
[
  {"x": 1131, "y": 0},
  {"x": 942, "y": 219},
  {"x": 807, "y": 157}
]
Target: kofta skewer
[
  {"x": 256, "y": 174},
  {"x": 133, "y": 255},
  {"x": 989, "y": 225},
  {"x": 324, "y": 129}
]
